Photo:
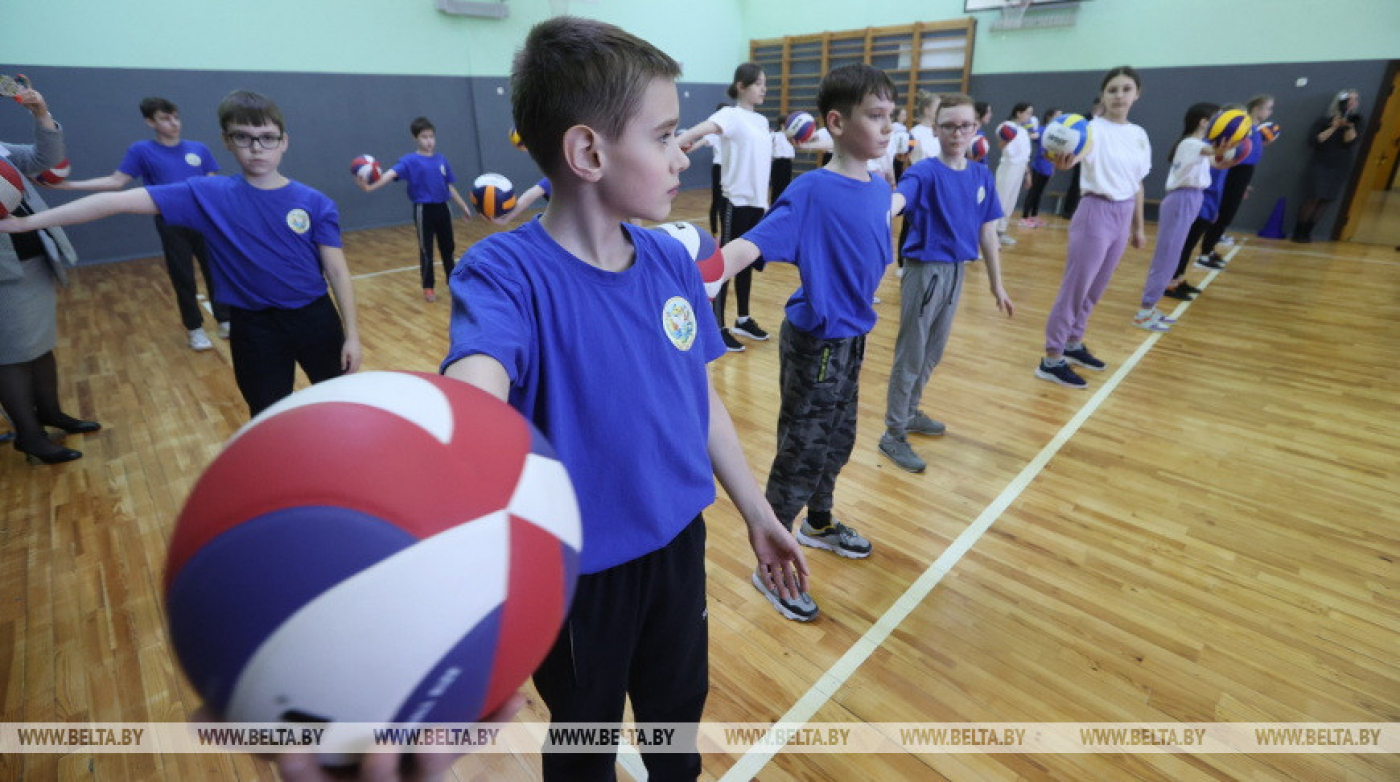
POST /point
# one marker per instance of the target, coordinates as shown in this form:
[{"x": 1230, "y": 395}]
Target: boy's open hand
[
  {"x": 780, "y": 560},
  {"x": 1003, "y": 301}
]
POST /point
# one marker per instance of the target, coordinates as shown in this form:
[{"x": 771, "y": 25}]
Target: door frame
[{"x": 1382, "y": 140}]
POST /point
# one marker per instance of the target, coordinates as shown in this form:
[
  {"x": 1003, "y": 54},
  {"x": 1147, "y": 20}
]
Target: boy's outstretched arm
[
  {"x": 338, "y": 275},
  {"x": 482, "y": 371},
  {"x": 113, "y": 181},
  {"x": 780, "y": 560},
  {"x": 84, "y": 210},
  {"x": 738, "y": 255},
  {"x": 384, "y": 179}
]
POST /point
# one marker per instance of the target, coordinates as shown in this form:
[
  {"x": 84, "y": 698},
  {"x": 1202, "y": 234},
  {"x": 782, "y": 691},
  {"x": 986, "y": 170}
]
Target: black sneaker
[
  {"x": 803, "y": 609},
  {"x": 750, "y": 329},
  {"x": 1059, "y": 373},
  {"x": 730, "y": 343},
  {"x": 1081, "y": 357},
  {"x": 1189, "y": 288},
  {"x": 1211, "y": 261},
  {"x": 1179, "y": 293}
]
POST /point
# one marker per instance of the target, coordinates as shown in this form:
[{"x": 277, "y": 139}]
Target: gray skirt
[{"x": 28, "y": 314}]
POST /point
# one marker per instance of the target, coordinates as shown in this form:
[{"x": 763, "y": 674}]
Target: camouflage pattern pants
[{"x": 820, "y": 380}]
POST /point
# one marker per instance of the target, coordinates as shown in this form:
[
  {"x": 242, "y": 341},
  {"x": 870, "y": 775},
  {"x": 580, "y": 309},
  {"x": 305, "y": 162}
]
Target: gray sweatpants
[{"x": 928, "y": 300}]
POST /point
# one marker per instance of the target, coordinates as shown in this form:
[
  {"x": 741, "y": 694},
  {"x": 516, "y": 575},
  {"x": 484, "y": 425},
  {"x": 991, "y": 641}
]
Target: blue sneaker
[
  {"x": 1081, "y": 357},
  {"x": 1059, "y": 373}
]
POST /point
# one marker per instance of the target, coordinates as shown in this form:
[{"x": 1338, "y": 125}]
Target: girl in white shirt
[
  {"x": 1108, "y": 217},
  {"x": 748, "y": 158},
  {"x": 1011, "y": 169},
  {"x": 1186, "y": 184}
]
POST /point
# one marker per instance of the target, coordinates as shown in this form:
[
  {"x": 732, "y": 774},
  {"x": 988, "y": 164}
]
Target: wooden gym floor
[{"x": 1208, "y": 533}]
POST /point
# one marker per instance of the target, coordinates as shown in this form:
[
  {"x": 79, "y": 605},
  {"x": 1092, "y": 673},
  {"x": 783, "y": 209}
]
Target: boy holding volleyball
[
  {"x": 950, "y": 203},
  {"x": 161, "y": 161},
  {"x": 834, "y": 225},
  {"x": 638, "y": 424},
  {"x": 429, "y": 178},
  {"x": 274, "y": 245}
]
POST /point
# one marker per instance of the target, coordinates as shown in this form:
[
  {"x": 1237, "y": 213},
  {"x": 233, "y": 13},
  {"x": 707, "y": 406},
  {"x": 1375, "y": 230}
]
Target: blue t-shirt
[
  {"x": 544, "y": 185},
  {"x": 1256, "y": 149},
  {"x": 427, "y": 177},
  {"x": 156, "y": 164},
  {"x": 629, "y": 418},
  {"x": 1210, "y": 202},
  {"x": 836, "y": 230},
  {"x": 1039, "y": 162},
  {"x": 946, "y": 210},
  {"x": 263, "y": 244}
]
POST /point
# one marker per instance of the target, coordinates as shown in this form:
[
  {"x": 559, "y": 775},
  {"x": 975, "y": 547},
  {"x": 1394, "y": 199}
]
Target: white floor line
[
  {"x": 825, "y": 688},
  {"x": 385, "y": 271}
]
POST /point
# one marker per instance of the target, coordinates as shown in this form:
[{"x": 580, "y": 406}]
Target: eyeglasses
[
  {"x": 966, "y": 127},
  {"x": 245, "y": 140}
]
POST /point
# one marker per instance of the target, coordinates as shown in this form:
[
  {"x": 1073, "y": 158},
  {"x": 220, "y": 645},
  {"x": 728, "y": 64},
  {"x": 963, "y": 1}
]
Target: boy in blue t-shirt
[
  {"x": 160, "y": 161},
  {"x": 834, "y": 225},
  {"x": 636, "y": 422},
  {"x": 953, "y": 208},
  {"x": 274, "y": 244},
  {"x": 429, "y": 178}
]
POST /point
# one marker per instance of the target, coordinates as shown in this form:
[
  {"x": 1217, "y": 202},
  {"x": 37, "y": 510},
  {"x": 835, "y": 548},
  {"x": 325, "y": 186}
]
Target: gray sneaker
[
  {"x": 897, "y": 448},
  {"x": 837, "y": 538},
  {"x": 803, "y": 609},
  {"x": 922, "y": 424}
]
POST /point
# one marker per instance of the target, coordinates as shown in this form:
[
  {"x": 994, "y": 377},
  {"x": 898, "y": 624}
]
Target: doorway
[{"x": 1373, "y": 213}]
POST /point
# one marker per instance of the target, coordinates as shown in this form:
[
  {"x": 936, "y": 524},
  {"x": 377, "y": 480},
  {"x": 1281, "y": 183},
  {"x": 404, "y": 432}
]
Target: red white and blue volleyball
[
  {"x": 1007, "y": 131},
  {"x": 55, "y": 175},
  {"x": 702, "y": 249},
  {"x": 384, "y": 547},
  {"x": 800, "y": 127},
  {"x": 978, "y": 148},
  {"x": 1067, "y": 134},
  {"x": 366, "y": 168},
  {"x": 11, "y": 187}
]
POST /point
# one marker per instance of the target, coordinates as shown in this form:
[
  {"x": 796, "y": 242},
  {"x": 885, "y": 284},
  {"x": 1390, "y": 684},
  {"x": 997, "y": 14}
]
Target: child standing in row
[
  {"x": 1041, "y": 171},
  {"x": 1108, "y": 217},
  {"x": 951, "y": 204},
  {"x": 748, "y": 162},
  {"x": 274, "y": 244},
  {"x": 429, "y": 178},
  {"x": 834, "y": 225},
  {"x": 1186, "y": 183},
  {"x": 1011, "y": 169}
]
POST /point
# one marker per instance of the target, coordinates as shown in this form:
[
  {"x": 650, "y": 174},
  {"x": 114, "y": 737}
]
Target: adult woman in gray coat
[{"x": 31, "y": 268}]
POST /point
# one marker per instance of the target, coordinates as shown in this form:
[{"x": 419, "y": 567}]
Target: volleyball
[
  {"x": 1067, "y": 134},
  {"x": 382, "y": 547},
  {"x": 56, "y": 174},
  {"x": 1232, "y": 156},
  {"x": 366, "y": 168},
  {"x": 702, "y": 249},
  {"x": 515, "y": 140},
  {"x": 493, "y": 195},
  {"x": 1006, "y": 131},
  {"x": 1269, "y": 131},
  {"x": 1229, "y": 128},
  {"x": 977, "y": 149},
  {"x": 800, "y": 127},
  {"x": 11, "y": 187}
]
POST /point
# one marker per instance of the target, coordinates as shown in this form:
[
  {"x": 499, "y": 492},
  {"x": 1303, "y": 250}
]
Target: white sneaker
[
  {"x": 199, "y": 340},
  {"x": 1226, "y": 241},
  {"x": 223, "y": 329},
  {"x": 1006, "y": 241},
  {"x": 1153, "y": 320}
]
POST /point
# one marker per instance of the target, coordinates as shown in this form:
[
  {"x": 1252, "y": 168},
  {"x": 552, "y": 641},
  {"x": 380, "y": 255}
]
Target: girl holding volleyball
[
  {"x": 1108, "y": 217},
  {"x": 748, "y": 155},
  {"x": 1012, "y": 178}
]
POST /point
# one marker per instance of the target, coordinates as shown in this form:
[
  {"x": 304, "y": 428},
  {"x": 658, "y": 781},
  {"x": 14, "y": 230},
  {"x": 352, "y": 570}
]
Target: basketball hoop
[{"x": 1013, "y": 14}]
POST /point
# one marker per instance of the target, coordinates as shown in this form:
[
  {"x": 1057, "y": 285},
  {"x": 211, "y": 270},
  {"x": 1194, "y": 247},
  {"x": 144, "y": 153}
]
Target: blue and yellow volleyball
[
  {"x": 1229, "y": 127},
  {"x": 1067, "y": 134}
]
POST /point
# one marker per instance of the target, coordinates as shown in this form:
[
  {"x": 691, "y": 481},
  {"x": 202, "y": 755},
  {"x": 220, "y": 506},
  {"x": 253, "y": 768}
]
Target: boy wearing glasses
[
  {"x": 274, "y": 244},
  {"x": 161, "y": 161},
  {"x": 952, "y": 208}
]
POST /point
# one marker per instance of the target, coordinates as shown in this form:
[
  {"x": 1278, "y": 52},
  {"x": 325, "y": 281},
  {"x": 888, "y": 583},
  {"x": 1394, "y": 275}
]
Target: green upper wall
[
  {"x": 709, "y": 37},
  {"x": 1145, "y": 33},
  {"x": 400, "y": 37}
]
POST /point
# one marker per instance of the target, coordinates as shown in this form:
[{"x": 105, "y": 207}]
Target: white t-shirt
[
  {"x": 1018, "y": 150},
  {"x": 782, "y": 148},
  {"x": 716, "y": 148},
  {"x": 748, "y": 156},
  {"x": 1118, "y": 162},
  {"x": 925, "y": 143},
  {"x": 899, "y": 138},
  {"x": 1189, "y": 167}
]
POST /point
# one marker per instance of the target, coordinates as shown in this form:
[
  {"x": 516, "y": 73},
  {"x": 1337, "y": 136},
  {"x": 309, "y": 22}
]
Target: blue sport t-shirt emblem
[
  {"x": 678, "y": 320},
  {"x": 298, "y": 220},
  {"x": 193, "y": 159}
]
